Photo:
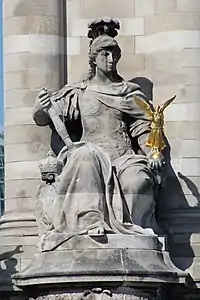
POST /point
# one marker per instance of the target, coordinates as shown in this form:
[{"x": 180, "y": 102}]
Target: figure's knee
[
  {"x": 84, "y": 155},
  {"x": 137, "y": 183}
]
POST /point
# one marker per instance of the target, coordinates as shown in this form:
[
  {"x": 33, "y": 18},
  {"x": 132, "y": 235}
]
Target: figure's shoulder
[
  {"x": 134, "y": 89},
  {"x": 133, "y": 86},
  {"x": 69, "y": 89}
]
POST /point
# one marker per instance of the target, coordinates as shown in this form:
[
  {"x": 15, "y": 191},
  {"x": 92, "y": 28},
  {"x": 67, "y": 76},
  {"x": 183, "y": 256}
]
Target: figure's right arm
[{"x": 42, "y": 103}]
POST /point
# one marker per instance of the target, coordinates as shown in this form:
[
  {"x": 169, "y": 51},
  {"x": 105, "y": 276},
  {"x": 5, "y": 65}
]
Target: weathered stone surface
[
  {"x": 168, "y": 41},
  {"x": 114, "y": 264},
  {"x": 23, "y": 61},
  {"x": 100, "y": 8},
  {"x": 16, "y": 134},
  {"x": 31, "y": 25},
  {"x": 185, "y": 5},
  {"x": 21, "y": 170},
  {"x": 18, "y": 189},
  {"x": 26, "y": 152},
  {"x": 144, "y": 7},
  {"x": 34, "y": 43},
  {"x": 23, "y": 203},
  {"x": 30, "y": 79},
  {"x": 183, "y": 129},
  {"x": 13, "y": 8},
  {"x": 175, "y": 21},
  {"x": 165, "y": 6}
]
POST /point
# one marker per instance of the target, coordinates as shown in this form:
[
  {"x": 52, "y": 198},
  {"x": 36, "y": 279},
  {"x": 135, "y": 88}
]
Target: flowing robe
[{"x": 104, "y": 181}]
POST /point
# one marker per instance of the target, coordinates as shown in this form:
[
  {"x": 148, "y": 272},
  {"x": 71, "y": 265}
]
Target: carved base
[{"x": 100, "y": 294}]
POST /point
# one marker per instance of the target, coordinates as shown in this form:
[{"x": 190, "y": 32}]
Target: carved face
[{"x": 106, "y": 60}]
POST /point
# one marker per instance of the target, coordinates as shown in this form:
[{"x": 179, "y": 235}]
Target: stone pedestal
[{"x": 135, "y": 263}]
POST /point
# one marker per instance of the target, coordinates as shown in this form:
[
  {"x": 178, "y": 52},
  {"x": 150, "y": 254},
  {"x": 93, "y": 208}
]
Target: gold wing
[
  {"x": 144, "y": 106},
  {"x": 167, "y": 103}
]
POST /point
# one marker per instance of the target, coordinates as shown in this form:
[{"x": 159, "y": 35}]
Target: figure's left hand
[{"x": 156, "y": 164}]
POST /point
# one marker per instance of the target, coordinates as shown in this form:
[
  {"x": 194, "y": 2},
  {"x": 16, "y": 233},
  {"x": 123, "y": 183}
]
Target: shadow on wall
[
  {"x": 177, "y": 219},
  {"x": 8, "y": 267}
]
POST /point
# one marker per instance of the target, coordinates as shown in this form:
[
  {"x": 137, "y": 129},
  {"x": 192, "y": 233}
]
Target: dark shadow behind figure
[
  {"x": 170, "y": 191},
  {"x": 9, "y": 268}
]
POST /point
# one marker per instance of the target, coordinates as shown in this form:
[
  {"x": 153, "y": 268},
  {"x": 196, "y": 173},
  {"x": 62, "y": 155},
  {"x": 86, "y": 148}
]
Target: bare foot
[{"x": 98, "y": 231}]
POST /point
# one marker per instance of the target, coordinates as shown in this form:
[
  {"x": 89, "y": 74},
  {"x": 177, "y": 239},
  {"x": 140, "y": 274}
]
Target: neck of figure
[{"x": 101, "y": 78}]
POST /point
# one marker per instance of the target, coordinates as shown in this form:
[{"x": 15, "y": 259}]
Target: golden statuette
[{"x": 156, "y": 139}]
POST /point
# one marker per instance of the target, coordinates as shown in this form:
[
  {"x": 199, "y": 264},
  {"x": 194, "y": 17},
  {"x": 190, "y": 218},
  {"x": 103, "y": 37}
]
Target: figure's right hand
[{"x": 43, "y": 100}]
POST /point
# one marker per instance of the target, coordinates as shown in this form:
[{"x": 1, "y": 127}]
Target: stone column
[{"x": 33, "y": 53}]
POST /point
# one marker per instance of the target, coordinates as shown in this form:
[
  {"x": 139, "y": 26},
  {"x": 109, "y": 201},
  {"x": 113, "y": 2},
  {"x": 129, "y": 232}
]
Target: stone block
[
  {"x": 164, "y": 92},
  {"x": 172, "y": 62},
  {"x": 31, "y": 25},
  {"x": 34, "y": 43},
  {"x": 20, "y": 98},
  {"x": 127, "y": 44},
  {"x": 77, "y": 27},
  {"x": 31, "y": 79},
  {"x": 22, "y": 170},
  {"x": 15, "y": 62},
  {"x": 100, "y": 8},
  {"x": 161, "y": 7},
  {"x": 35, "y": 7},
  {"x": 23, "y": 205},
  {"x": 129, "y": 65},
  {"x": 77, "y": 68},
  {"x": 190, "y": 57},
  {"x": 73, "y": 46},
  {"x": 179, "y": 112},
  {"x": 175, "y": 40},
  {"x": 192, "y": 75},
  {"x": 166, "y": 77},
  {"x": 187, "y": 166},
  {"x": 131, "y": 26},
  {"x": 188, "y": 5},
  {"x": 84, "y": 47},
  {"x": 184, "y": 93},
  {"x": 183, "y": 129},
  {"x": 144, "y": 7},
  {"x": 26, "y": 151},
  {"x": 73, "y": 9},
  {"x": 15, "y": 134},
  {"x": 18, "y": 189},
  {"x": 185, "y": 148},
  {"x": 19, "y": 116},
  {"x": 169, "y": 22}
]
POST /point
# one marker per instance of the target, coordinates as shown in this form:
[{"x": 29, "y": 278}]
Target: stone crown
[{"x": 49, "y": 164}]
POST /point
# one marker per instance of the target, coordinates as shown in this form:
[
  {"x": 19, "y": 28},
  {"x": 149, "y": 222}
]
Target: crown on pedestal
[
  {"x": 103, "y": 26},
  {"x": 49, "y": 164}
]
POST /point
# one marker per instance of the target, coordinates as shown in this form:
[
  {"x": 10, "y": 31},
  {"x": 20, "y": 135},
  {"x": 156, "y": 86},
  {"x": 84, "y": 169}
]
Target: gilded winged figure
[{"x": 156, "y": 139}]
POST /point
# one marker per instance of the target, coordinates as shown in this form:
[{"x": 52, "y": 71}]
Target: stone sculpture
[{"x": 102, "y": 180}]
